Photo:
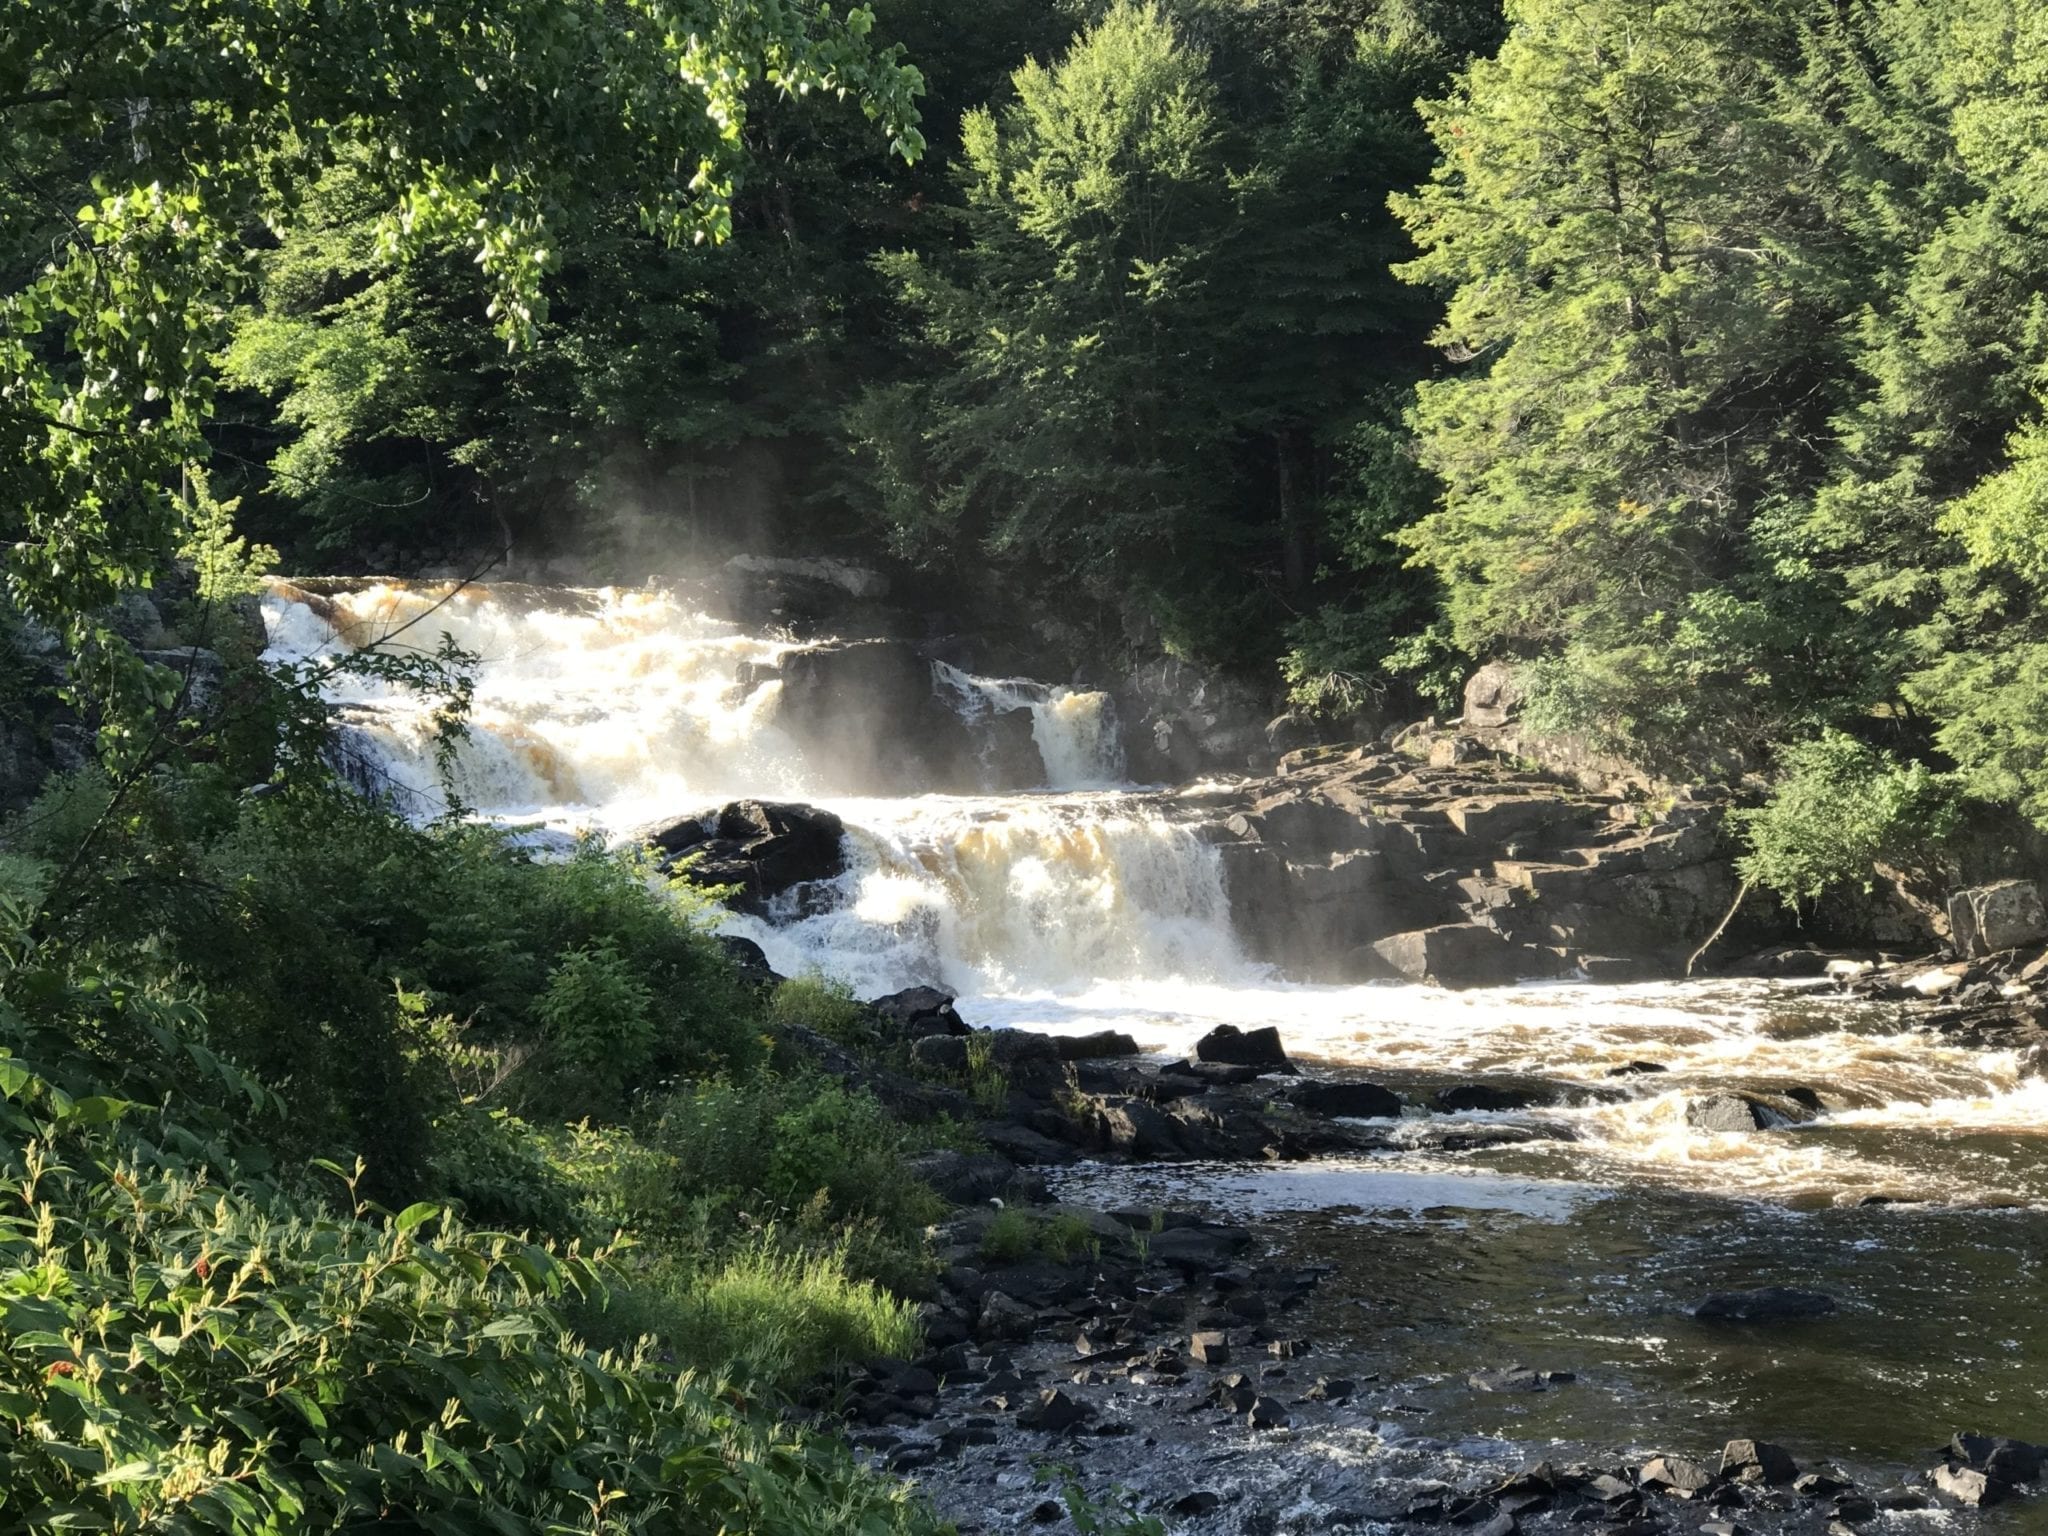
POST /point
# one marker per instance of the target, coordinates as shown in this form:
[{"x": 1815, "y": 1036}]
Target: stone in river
[
  {"x": 1200, "y": 1502},
  {"x": 1516, "y": 1378},
  {"x": 1101, "y": 1044},
  {"x": 1235, "y": 1047},
  {"x": 1210, "y": 1348},
  {"x": 1969, "y": 1487},
  {"x": 1677, "y": 1475},
  {"x": 2012, "y": 1461},
  {"x": 1055, "y": 1411},
  {"x": 1757, "y": 1461},
  {"x": 1732, "y": 1112},
  {"x": 1352, "y": 1101},
  {"x": 1483, "y": 1096},
  {"x": 1766, "y": 1304},
  {"x": 1267, "y": 1413}
]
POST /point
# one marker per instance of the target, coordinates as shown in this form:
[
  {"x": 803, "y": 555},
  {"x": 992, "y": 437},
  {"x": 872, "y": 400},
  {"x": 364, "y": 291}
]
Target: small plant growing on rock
[
  {"x": 1114, "y": 1514},
  {"x": 1010, "y": 1237}
]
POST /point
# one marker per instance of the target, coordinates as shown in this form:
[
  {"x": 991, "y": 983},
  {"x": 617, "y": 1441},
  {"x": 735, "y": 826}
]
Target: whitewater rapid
[{"x": 1087, "y": 904}]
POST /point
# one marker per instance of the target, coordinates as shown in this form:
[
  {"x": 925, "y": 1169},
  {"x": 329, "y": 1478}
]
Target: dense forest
[{"x": 1690, "y": 354}]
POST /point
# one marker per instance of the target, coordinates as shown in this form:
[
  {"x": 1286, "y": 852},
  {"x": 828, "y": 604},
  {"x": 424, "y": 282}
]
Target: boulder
[
  {"x": 1136, "y": 1129},
  {"x": 749, "y": 959},
  {"x": 2010, "y": 1461},
  {"x": 766, "y": 849},
  {"x": 1766, "y": 1304},
  {"x": 1986, "y": 919},
  {"x": 1733, "y": 1112},
  {"x": 1007, "y": 1048},
  {"x": 1493, "y": 694},
  {"x": 1483, "y": 1096},
  {"x": 1453, "y": 955},
  {"x": 1674, "y": 1474},
  {"x": 916, "y": 1012},
  {"x": 1230, "y": 1046},
  {"x": 1210, "y": 1348},
  {"x": 1349, "y": 1101},
  {"x": 1101, "y": 1045},
  {"x": 1969, "y": 1487},
  {"x": 1757, "y": 1461}
]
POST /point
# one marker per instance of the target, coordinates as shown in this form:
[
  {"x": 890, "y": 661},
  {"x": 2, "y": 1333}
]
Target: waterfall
[
  {"x": 1075, "y": 730},
  {"x": 617, "y": 703},
  {"x": 1022, "y": 893}
]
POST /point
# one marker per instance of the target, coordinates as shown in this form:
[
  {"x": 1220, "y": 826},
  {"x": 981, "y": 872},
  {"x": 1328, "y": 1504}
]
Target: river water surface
[{"x": 1918, "y": 1196}]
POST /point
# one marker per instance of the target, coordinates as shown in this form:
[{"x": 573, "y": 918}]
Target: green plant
[
  {"x": 1067, "y": 1235},
  {"x": 1114, "y": 1514},
  {"x": 597, "y": 1013},
  {"x": 826, "y": 1006},
  {"x": 1011, "y": 1236}
]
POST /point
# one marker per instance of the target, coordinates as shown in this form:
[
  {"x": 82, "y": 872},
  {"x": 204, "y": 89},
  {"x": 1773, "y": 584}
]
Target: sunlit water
[{"x": 1086, "y": 906}]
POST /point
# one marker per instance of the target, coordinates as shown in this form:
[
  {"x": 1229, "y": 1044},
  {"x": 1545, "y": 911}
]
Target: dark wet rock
[
  {"x": 1048, "y": 1512},
  {"x": 1007, "y": 1049},
  {"x": 1228, "y": 1045},
  {"x": 1766, "y": 1304},
  {"x": 1516, "y": 1378},
  {"x": 1022, "y": 1144},
  {"x": 1103, "y": 1043},
  {"x": 1806, "y": 1098},
  {"x": 1818, "y": 1485},
  {"x": 1210, "y": 1347},
  {"x": 1201, "y": 1502},
  {"x": 1137, "y": 1129},
  {"x": 1734, "y": 1112},
  {"x": 1287, "y": 1349},
  {"x": 1207, "y": 1074},
  {"x": 1723, "y": 1528},
  {"x": 1350, "y": 1101},
  {"x": 1483, "y": 1096},
  {"x": 1677, "y": 1475},
  {"x": 1267, "y": 1413},
  {"x": 2012, "y": 1461},
  {"x": 1330, "y": 1389},
  {"x": 1637, "y": 1069},
  {"x": 1004, "y": 1317},
  {"x": 765, "y": 848},
  {"x": 1969, "y": 1487},
  {"x": 1855, "y": 1508},
  {"x": 975, "y": 1178},
  {"x": 1055, "y": 1412},
  {"x": 1757, "y": 1461},
  {"x": 1609, "y": 1489},
  {"x": 916, "y": 1012},
  {"x": 1199, "y": 1250},
  {"x": 1454, "y": 955},
  {"x": 749, "y": 959}
]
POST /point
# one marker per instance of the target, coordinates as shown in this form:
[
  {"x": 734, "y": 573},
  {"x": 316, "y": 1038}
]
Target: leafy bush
[
  {"x": 826, "y": 1006},
  {"x": 598, "y": 1014},
  {"x": 184, "y": 1353},
  {"x": 1839, "y": 809}
]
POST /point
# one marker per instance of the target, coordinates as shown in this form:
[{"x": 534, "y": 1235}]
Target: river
[{"x": 1919, "y": 1197}]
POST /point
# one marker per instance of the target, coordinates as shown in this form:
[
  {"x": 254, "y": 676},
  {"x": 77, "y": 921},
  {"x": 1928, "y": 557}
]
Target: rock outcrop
[{"x": 1353, "y": 863}]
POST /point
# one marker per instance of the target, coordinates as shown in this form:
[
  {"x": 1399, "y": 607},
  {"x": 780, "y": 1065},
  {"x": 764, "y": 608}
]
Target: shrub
[
  {"x": 185, "y": 1353},
  {"x": 1010, "y": 1237},
  {"x": 825, "y": 1006},
  {"x": 598, "y": 1014},
  {"x": 1839, "y": 809}
]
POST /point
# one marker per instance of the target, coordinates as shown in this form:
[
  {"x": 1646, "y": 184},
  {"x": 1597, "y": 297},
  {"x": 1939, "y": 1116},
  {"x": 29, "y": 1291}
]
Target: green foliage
[
  {"x": 825, "y": 1006},
  {"x": 598, "y": 1014},
  {"x": 1010, "y": 1237},
  {"x": 1115, "y": 1515},
  {"x": 1840, "y": 808},
  {"x": 191, "y": 1355}
]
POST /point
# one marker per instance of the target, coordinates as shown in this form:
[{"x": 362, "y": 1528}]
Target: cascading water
[
  {"x": 1088, "y": 905},
  {"x": 1075, "y": 730}
]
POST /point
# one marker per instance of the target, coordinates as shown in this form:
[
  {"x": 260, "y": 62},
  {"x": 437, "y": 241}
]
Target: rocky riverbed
[{"x": 1258, "y": 1296}]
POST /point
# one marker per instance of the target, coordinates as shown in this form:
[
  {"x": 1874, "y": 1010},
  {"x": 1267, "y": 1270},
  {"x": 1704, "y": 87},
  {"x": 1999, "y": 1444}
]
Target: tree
[
  {"x": 1073, "y": 418},
  {"x": 1633, "y": 219},
  {"x": 145, "y": 140}
]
